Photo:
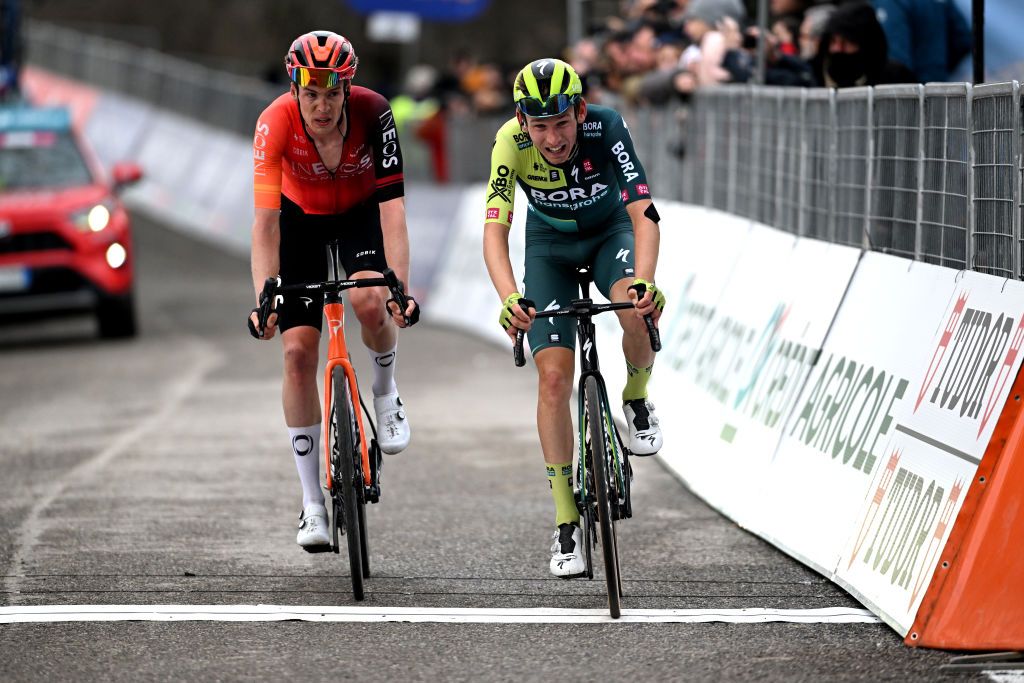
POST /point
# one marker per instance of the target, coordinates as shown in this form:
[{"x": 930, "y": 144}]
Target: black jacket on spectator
[{"x": 858, "y": 24}]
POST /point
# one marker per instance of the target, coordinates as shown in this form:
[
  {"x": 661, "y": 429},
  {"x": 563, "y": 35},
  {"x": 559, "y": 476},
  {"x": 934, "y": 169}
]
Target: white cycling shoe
[
  {"x": 313, "y": 529},
  {"x": 567, "y": 552},
  {"x": 393, "y": 431},
  {"x": 644, "y": 431}
]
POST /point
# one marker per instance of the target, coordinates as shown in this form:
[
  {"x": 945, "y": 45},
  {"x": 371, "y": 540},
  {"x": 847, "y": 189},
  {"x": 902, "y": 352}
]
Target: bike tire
[
  {"x": 364, "y": 546},
  {"x": 346, "y": 452},
  {"x": 603, "y": 487}
]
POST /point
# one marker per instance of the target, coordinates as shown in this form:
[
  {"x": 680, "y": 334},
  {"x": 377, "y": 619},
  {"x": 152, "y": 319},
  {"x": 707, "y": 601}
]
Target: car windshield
[{"x": 41, "y": 159}]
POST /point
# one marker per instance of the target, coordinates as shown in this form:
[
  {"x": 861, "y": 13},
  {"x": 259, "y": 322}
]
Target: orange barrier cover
[{"x": 975, "y": 600}]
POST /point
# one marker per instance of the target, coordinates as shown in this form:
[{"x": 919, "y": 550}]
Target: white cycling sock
[
  {"x": 306, "y": 449},
  {"x": 384, "y": 370}
]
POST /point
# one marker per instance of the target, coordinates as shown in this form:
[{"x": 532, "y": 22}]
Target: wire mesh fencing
[{"x": 931, "y": 173}]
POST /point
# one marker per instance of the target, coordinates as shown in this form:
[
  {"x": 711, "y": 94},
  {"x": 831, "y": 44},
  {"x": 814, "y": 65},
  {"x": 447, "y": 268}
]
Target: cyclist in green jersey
[{"x": 589, "y": 205}]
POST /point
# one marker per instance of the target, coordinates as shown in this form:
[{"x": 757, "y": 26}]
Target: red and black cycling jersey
[{"x": 286, "y": 161}]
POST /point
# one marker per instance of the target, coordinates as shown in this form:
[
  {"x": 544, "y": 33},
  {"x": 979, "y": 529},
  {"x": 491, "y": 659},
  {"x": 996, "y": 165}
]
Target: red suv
[{"x": 65, "y": 238}]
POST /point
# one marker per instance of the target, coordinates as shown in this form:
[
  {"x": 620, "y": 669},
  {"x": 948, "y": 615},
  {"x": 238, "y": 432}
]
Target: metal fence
[
  {"x": 931, "y": 173},
  {"x": 218, "y": 98}
]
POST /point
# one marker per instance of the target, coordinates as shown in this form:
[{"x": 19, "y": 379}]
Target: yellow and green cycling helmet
[{"x": 546, "y": 87}]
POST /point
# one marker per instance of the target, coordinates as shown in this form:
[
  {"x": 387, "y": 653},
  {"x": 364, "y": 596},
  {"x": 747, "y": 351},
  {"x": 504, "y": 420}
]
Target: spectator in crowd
[
  {"x": 705, "y": 24},
  {"x": 786, "y": 31},
  {"x": 417, "y": 110},
  {"x": 615, "y": 61},
  {"x": 488, "y": 92},
  {"x": 668, "y": 80},
  {"x": 853, "y": 51},
  {"x": 811, "y": 29},
  {"x": 931, "y": 37}
]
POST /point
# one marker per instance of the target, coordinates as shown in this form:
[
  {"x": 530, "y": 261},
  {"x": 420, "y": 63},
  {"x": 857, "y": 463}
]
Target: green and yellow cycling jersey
[{"x": 578, "y": 195}]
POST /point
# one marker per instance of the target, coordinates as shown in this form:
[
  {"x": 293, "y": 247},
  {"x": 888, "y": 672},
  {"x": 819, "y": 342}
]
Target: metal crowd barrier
[
  {"x": 932, "y": 173},
  {"x": 215, "y": 97}
]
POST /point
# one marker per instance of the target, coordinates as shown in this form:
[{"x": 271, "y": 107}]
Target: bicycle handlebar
[
  {"x": 584, "y": 307},
  {"x": 272, "y": 289}
]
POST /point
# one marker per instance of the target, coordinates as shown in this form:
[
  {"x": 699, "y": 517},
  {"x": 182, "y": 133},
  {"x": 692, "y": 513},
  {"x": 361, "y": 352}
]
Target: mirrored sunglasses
[{"x": 553, "y": 106}]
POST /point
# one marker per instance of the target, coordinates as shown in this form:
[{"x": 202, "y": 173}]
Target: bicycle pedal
[{"x": 312, "y": 549}]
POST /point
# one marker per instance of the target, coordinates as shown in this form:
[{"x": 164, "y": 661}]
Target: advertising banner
[
  {"x": 698, "y": 250},
  {"x": 961, "y": 382},
  {"x": 735, "y": 384},
  {"x": 463, "y": 295},
  {"x": 838, "y": 433}
]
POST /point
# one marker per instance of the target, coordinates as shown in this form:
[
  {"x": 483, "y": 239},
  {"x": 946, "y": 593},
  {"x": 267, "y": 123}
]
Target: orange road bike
[
  {"x": 603, "y": 472},
  {"x": 353, "y": 461}
]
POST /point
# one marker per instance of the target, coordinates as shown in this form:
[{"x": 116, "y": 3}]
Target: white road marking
[
  {"x": 448, "y": 615},
  {"x": 1005, "y": 676}
]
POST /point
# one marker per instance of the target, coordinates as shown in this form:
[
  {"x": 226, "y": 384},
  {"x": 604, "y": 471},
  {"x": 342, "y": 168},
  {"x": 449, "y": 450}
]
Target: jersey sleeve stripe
[{"x": 389, "y": 180}]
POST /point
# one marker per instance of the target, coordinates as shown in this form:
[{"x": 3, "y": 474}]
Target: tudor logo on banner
[
  {"x": 972, "y": 361},
  {"x": 958, "y": 389}
]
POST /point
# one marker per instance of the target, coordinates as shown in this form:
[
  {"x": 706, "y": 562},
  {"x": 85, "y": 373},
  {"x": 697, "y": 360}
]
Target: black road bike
[{"x": 603, "y": 472}]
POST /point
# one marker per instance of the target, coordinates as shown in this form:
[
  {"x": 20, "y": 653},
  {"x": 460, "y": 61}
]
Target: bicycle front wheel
[
  {"x": 603, "y": 488},
  {"x": 349, "y": 486}
]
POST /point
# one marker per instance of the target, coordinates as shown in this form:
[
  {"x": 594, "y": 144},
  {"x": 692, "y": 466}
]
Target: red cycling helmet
[{"x": 321, "y": 57}]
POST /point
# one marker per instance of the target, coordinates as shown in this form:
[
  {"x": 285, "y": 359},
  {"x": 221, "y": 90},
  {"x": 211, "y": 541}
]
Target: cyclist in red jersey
[{"x": 327, "y": 166}]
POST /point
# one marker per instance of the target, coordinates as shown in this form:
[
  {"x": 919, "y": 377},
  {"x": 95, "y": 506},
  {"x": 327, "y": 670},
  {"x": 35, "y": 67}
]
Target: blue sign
[{"x": 436, "y": 10}]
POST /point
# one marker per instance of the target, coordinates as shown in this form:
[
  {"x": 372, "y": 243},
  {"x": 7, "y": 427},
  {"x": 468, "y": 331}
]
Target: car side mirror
[{"x": 125, "y": 173}]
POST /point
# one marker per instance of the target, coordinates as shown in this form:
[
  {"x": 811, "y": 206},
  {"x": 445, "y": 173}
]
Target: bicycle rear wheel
[
  {"x": 349, "y": 485},
  {"x": 603, "y": 489}
]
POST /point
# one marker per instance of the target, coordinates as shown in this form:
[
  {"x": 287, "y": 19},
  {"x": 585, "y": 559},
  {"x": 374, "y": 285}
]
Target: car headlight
[
  {"x": 116, "y": 255},
  {"x": 93, "y": 218}
]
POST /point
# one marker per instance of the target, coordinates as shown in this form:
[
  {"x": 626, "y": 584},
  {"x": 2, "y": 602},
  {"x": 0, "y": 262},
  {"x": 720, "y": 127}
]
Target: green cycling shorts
[{"x": 553, "y": 257}]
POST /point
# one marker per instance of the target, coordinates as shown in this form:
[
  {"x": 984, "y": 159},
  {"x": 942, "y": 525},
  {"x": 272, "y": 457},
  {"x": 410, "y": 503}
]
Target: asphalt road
[{"x": 157, "y": 471}]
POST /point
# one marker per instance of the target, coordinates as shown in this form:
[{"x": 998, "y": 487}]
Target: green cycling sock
[
  {"x": 560, "y": 481},
  {"x": 636, "y": 382}
]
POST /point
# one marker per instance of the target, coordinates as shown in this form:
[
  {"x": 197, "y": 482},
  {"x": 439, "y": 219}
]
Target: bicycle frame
[
  {"x": 337, "y": 355},
  {"x": 589, "y": 367}
]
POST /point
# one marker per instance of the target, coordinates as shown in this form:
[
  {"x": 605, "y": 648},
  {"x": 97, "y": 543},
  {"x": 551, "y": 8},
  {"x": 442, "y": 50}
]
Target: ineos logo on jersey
[
  {"x": 302, "y": 444},
  {"x": 317, "y": 171},
  {"x": 500, "y": 185},
  {"x": 385, "y": 360},
  {"x": 389, "y": 138},
  {"x": 259, "y": 149}
]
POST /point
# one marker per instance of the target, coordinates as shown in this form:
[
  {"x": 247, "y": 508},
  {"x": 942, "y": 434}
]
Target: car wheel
[{"x": 116, "y": 315}]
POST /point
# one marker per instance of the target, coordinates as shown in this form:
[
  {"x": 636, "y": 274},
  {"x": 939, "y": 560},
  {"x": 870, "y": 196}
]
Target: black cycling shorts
[{"x": 304, "y": 240}]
